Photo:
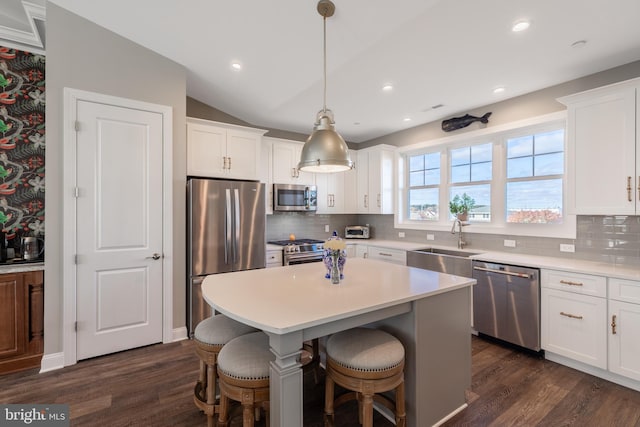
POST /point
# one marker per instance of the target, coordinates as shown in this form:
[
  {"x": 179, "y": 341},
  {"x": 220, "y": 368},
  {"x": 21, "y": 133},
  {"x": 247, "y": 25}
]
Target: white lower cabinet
[
  {"x": 624, "y": 328},
  {"x": 394, "y": 256},
  {"x": 574, "y": 325},
  {"x": 362, "y": 251},
  {"x": 592, "y": 320},
  {"x": 274, "y": 258}
]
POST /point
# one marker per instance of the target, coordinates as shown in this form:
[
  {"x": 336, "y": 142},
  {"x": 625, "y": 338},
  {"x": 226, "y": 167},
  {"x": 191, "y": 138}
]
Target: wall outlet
[
  {"x": 431, "y": 237},
  {"x": 567, "y": 248},
  {"x": 326, "y": 228},
  {"x": 401, "y": 234},
  {"x": 510, "y": 243}
]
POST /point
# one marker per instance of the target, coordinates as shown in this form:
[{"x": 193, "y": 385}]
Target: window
[
  {"x": 516, "y": 176},
  {"x": 471, "y": 173},
  {"x": 535, "y": 168},
  {"x": 424, "y": 186}
]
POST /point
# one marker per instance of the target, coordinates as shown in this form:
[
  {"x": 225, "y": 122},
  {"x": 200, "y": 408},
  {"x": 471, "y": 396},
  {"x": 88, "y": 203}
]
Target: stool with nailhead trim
[
  {"x": 366, "y": 362},
  {"x": 243, "y": 376},
  {"x": 210, "y": 335}
]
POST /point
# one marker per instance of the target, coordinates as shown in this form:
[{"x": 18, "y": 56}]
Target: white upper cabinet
[
  {"x": 286, "y": 155},
  {"x": 604, "y": 163},
  {"x": 337, "y": 191},
  {"x": 375, "y": 180},
  {"x": 222, "y": 150}
]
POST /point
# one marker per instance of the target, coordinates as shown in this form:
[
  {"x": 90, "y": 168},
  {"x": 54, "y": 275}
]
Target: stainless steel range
[{"x": 300, "y": 251}]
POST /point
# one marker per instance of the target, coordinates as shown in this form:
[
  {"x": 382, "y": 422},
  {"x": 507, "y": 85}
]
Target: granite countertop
[{"x": 18, "y": 265}]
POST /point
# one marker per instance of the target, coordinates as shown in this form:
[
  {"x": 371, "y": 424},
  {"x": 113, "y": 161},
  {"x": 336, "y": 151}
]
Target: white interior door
[{"x": 119, "y": 280}]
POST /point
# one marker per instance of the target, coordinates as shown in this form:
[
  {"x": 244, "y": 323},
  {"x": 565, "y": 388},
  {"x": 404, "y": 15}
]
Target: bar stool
[
  {"x": 366, "y": 362},
  {"x": 210, "y": 335},
  {"x": 243, "y": 376}
]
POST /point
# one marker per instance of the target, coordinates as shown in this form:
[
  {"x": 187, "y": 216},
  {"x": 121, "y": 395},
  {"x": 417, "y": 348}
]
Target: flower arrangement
[{"x": 335, "y": 245}]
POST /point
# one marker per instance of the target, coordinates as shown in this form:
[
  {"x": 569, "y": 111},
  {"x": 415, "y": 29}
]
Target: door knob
[{"x": 155, "y": 256}]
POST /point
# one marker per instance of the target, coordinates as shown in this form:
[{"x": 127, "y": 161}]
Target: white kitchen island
[{"x": 427, "y": 311}]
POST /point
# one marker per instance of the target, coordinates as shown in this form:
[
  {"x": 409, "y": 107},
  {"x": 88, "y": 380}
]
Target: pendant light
[{"x": 325, "y": 151}]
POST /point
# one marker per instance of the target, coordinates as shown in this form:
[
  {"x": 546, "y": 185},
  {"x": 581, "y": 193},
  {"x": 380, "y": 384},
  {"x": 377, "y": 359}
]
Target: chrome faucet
[{"x": 461, "y": 243}]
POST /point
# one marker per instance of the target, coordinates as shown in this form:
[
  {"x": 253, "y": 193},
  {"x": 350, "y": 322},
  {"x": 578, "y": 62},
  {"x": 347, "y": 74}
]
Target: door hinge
[
  {"x": 76, "y": 125},
  {"x": 75, "y": 326},
  {"x": 75, "y": 259},
  {"x": 76, "y": 192}
]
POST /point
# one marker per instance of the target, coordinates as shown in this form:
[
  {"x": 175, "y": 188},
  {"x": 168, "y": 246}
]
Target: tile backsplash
[{"x": 611, "y": 239}]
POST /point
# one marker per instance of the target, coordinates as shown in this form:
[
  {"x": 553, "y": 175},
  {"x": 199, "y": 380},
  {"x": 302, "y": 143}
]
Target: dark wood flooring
[{"x": 153, "y": 386}]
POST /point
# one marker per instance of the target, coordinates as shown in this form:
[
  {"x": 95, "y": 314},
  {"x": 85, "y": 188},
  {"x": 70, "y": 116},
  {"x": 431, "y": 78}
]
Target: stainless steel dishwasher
[{"x": 506, "y": 303}]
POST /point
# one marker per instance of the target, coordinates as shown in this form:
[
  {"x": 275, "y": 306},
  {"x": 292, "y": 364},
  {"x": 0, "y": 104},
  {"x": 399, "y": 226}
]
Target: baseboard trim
[
  {"x": 451, "y": 415},
  {"x": 179, "y": 334},
  {"x": 52, "y": 362}
]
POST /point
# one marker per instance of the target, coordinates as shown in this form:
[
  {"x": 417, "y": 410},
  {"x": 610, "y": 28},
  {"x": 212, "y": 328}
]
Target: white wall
[{"x": 83, "y": 56}]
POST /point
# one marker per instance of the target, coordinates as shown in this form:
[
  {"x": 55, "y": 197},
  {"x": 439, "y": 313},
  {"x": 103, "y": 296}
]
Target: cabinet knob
[{"x": 154, "y": 257}]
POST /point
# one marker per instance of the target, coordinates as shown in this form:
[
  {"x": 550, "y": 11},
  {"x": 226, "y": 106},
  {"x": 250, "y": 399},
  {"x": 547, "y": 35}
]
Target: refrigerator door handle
[
  {"x": 236, "y": 225},
  {"x": 227, "y": 226}
]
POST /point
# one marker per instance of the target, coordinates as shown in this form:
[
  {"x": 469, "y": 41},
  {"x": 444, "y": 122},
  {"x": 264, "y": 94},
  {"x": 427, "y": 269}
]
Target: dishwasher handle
[{"x": 508, "y": 273}]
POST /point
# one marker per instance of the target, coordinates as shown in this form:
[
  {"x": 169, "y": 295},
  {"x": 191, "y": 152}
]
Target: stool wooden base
[
  {"x": 253, "y": 395},
  {"x": 204, "y": 392},
  {"x": 364, "y": 386}
]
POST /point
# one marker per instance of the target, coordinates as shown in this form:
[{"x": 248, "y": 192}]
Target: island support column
[{"x": 286, "y": 380}]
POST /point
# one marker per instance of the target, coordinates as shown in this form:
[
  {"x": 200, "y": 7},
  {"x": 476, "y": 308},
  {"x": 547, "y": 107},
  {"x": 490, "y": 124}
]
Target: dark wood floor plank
[{"x": 153, "y": 386}]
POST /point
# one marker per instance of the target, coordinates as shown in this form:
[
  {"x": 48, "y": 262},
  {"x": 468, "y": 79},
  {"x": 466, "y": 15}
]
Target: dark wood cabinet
[{"x": 21, "y": 320}]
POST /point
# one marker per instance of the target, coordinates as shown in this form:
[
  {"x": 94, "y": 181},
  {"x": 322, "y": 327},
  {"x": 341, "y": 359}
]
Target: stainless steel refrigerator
[{"x": 225, "y": 233}]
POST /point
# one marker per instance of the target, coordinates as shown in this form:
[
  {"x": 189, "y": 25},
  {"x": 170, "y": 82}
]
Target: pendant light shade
[{"x": 325, "y": 151}]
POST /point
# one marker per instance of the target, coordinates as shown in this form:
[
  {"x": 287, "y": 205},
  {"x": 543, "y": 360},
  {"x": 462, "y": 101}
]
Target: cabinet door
[
  {"x": 574, "y": 326},
  {"x": 381, "y": 181},
  {"x": 624, "y": 339},
  {"x": 602, "y": 138},
  {"x": 206, "y": 150},
  {"x": 330, "y": 192},
  {"x": 362, "y": 171},
  {"x": 350, "y": 198},
  {"x": 362, "y": 251},
  {"x": 13, "y": 316},
  {"x": 286, "y": 156},
  {"x": 243, "y": 153}
]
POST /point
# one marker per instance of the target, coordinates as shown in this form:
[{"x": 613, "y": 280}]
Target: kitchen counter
[
  {"x": 21, "y": 267},
  {"x": 297, "y": 303},
  {"x": 621, "y": 271}
]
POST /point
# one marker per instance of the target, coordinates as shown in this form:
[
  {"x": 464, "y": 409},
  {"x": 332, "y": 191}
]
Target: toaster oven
[{"x": 356, "y": 232}]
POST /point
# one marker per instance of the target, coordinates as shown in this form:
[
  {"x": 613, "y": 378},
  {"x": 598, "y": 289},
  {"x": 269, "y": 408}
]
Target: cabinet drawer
[
  {"x": 574, "y": 326},
  {"x": 395, "y": 256},
  {"x": 575, "y": 282},
  {"x": 624, "y": 290},
  {"x": 274, "y": 258}
]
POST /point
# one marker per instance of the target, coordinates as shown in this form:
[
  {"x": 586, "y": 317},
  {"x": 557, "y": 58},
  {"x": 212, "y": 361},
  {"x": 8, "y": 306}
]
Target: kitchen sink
[{"x": 449, "y": 261}]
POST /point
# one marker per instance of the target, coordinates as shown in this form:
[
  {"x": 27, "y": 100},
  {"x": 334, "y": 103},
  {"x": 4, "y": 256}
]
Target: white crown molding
[{"x": 19, "y": 39}]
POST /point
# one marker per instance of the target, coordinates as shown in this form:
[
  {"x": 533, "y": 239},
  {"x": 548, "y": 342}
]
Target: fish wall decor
[{"x": 456, "y": 123}]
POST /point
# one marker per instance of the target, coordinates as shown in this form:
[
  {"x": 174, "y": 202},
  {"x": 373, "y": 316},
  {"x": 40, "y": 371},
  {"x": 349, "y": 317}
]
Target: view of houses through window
[{"x": 522, "y": 175}]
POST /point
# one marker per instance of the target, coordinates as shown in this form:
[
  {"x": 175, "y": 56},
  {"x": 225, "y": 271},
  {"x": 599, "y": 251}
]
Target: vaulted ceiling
[{"x": 447, "y": 54}]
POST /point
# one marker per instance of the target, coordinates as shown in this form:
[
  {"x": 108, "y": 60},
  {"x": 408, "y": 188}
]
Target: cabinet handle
[
  {"x": 613, "y": 324},
  {"x": 573, "y": 316},
  {"x": 629, "y": 188},
  {"x": 384, "y": 254},
  {"x": 293, "y": 172},
  {"x": 366, "y": 201},
  {"x": 570, "y": 283},
  {"x": 638, "y": 187},
  {"x": 224, "y": 162},
  {"x": 378, "y": 199}
]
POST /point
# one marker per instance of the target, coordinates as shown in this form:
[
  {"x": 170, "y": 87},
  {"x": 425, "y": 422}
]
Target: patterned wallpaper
[{"x": 22, "y": 143}]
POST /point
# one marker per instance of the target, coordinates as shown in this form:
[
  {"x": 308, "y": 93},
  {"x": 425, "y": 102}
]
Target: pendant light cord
[{"x": 324, "y": 22}]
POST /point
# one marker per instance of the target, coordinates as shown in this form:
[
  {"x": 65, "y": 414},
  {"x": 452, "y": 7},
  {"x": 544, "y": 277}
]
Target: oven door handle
[{"x": 303, "y": 258}]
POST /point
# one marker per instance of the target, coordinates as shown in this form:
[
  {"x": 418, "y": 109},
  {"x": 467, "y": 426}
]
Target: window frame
[{"x": 498, "y": 136}]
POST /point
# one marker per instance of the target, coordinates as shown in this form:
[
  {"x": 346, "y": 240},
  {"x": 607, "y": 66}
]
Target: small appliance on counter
[{"x": 356, "y": 232}]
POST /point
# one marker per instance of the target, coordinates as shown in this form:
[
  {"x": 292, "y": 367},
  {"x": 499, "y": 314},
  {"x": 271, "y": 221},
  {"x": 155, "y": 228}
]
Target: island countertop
[{"x": 301, "y": 297}]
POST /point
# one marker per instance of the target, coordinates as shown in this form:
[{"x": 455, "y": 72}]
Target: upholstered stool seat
[
  {"x": 243, "y": 375},
  {"x": 367, "y": 362},
  {"x": 210, "y": 335}
]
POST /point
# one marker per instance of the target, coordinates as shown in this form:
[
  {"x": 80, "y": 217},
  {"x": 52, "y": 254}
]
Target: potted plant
[{"x": 460, "y": 206}]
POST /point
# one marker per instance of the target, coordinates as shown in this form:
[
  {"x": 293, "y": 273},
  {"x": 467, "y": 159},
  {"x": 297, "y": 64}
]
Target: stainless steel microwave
[{"x": 295, "y": 197}]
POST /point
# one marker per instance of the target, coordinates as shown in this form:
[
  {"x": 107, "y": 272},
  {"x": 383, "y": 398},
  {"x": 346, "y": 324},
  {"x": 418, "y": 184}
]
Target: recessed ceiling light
[
  {"x": 236, "y": 65},
  {"x": 406, "y": 119},
  {"x": 499, "y": 89},
  {"x": 520, "y": 26},
  {"x": 388, "y": 87}
]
